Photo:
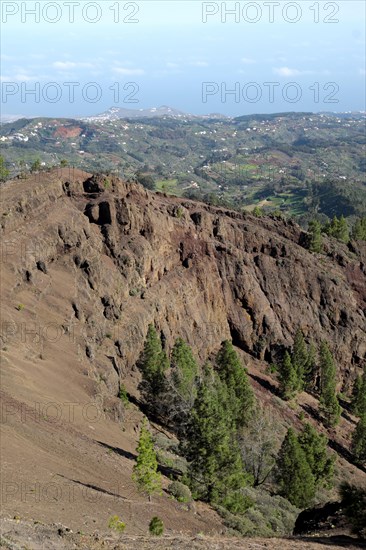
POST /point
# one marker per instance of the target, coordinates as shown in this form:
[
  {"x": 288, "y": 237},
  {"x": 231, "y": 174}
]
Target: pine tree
[
  {"x": 338, "y": 229},
  {"x": 232, "y": 372},
  {"x": 288, "y": 377},
  {"x": 145, "y": 471},
  {"x": 358, "y": 401},
  {"x": 359, "y": 440},
  {"x": 311, "y": 368},
  {"x": 294, "y": 477},
  {"x": 181, "y": 386},
  {"x": 334, "y": 227},
  {"x": 36, "y": 165},
  {"x": 184, "y": 369},
  {"x": 153, "y": 364},
  {"x": 342, "y": 231},
  {"x": 215, "y": 466},
  {"x": 321, "y": 463},
  {"x": 359, "y": 230},
  {"x": 315, "y": 243},
  {"x": 300, "y": 359},
  {"x": 328, "y": 396}
]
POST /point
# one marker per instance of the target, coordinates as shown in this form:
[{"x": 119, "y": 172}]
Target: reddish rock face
[
  {"x": 199, "y": 272},
  {"x": 67, "y": 132}
]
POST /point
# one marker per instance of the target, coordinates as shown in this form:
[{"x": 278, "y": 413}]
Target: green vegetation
[
  {"x": 268, "y": 516},
  {"x": 234, "y": 375},
  {"x": 298, "y": 367},
  {"x": 300, "y": 359},
  {"x": 328, "y": 395},
  {"x": 321, "y": 463},
  {"x": 354, "y": 504},
  {"x": 227, "y": 440},
  {"x": 153, "y": 365},
  {"x": 358, "y": 400},
  {"x": 156, "y": 526},
  {"x": 298, "y": 370},
  {"x": 276, "y": 167},
  {"x": 184, "y": 372},
  {"x": 146, "y": 180},
  {"x": 216, "y": 471},
  {"x": 116, "y": 524},
  {"x": 257, "y": 212},
  {"x": 36, "y": 165},
  {"x": 338, "y": 229},
  {"x": 288, "y": 377},
  {"x": 304, "y": 465},
  {"x": 123, "y": 395},
  {"x": 167, "y": 186},
  {"x": 180, "y": 491},
  {"x": 359, "y": 230},
  {"x": 4, "y": 172},
  {"x": 295, "y": 479},
  {"x": 145, "y": 471},
  {"x": 179, "y": 212},
  {"x": 359, "y": 440},
  {"x": 315, "y": 243}
]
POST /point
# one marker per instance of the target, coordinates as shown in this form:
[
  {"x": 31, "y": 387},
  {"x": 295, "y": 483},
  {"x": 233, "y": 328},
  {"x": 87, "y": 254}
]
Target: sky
[{"x": 77, "y": 58}]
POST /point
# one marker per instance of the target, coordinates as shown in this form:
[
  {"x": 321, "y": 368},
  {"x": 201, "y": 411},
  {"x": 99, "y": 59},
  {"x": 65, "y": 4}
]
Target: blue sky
[{"x": 272, "y": 56}]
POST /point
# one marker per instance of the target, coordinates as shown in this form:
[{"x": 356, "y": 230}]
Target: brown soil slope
[{"x": 85, "y": 268}]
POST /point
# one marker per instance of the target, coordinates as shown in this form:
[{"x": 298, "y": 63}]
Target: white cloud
[
  {"x": 199, "y": 63},
  {"x": 19, "y": 77},
  {"x": 286, "y": 71},
  {"x": 172, "y": 65},
  {"x": 65, "y": 65},
  {"x": 247, "y": 61},
  {"x": 128, "y": 72},
  {"x": 362, "y": 72}
]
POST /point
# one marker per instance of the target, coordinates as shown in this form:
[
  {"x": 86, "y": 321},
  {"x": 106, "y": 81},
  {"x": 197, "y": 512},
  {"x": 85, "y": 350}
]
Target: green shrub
[
  {"x": 172, "y": 460},
  {"x": 20, "y": 307},
  {"x": 116, "y": 524},
  {"x": 166, "y": 443},
  {"x": 257, "y": 212},
  {"x": 180, "y": 492},
  {"x": 179, "y": 212},
  {"x": 354, "y": 505},
  {"x": 123, "y": 395},
  {"x": 156, "y": 526},
  {"x": 237, "y": 503},
  {"x": 268, "y": 516}
]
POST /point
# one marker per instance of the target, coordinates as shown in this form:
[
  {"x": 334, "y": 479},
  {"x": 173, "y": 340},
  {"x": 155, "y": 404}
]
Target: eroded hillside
[{"x": 87, "y": 264}]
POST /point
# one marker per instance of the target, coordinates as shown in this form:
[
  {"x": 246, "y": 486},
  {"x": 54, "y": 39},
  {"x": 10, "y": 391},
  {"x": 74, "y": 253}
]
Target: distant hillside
[{"x": 285, "y": 162}]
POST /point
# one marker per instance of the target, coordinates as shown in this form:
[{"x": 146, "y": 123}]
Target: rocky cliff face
[
  {"x": 130, "y": 257},
  {"x": 86, "y": 264}
]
